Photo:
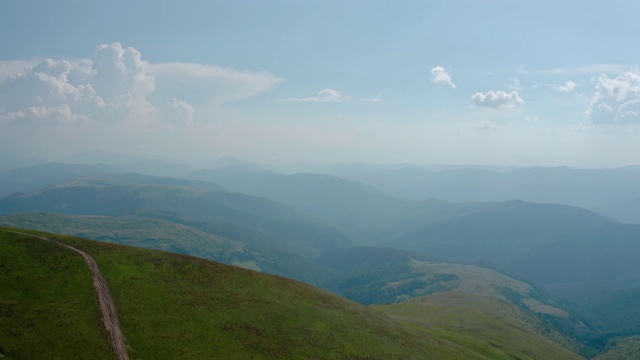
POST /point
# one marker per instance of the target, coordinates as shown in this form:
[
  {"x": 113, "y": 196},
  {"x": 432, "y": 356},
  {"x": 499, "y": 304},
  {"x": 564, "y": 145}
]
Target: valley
[{"x": 444, "y": 271}]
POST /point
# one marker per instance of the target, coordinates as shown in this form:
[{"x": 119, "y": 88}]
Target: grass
[
  {"x": 489, "y": 327},
  {"x": 135, "y": 231},
  {"x": 181, "y": 307},
  {"x": 48, "y": 306},
  {"x": 221, "y": 242},
  {"x": 175, "y": 306}
]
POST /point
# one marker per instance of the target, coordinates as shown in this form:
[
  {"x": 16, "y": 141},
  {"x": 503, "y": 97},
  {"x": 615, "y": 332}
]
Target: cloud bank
[{"x": 115, "y": 85}]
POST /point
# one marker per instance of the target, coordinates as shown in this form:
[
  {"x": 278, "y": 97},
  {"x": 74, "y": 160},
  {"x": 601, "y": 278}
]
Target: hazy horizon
[{"x": 427, "y": 83}]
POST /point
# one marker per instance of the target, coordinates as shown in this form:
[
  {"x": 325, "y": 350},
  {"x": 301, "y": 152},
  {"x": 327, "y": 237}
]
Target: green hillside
[
  {"x": 175, "y": 306},
  {"x": 491, "y": 327},
  {"x": 48, "y": 307},
  {"x": 222, "y": 242},
  {"x": 390, "y": 276},
  {"x": 139, "y": 232},
  {"x": 373, "y": 275}
]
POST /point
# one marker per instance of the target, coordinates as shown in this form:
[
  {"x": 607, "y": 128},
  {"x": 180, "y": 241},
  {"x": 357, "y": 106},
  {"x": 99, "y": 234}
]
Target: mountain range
[{"x": 566, "y": 269}]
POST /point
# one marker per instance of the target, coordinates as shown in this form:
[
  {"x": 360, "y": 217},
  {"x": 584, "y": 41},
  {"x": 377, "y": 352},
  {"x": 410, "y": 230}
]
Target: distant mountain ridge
[
  {"x": 564, "y": 185},
  {"x": 23, "y": 179},
  {"x": 301, "y": 232},
  {"x": 130, "y": 163},
  {"x": 627, "y": 211}
]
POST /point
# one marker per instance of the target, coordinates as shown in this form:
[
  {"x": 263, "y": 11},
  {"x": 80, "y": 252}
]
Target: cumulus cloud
[
  {"x": 10, "y": 68},
  {"x": 118, "y": 70},
  {"x": 617, "y": 100},
  {"x": 440, "y": 76},
  {"x": 60, "y": 114},
  {"x": 325, "y": 95},
  {"x": 569, "y": 86},
  {"x": 44, "y": 90},
  {"x": 497, "y": 99},
  {"x": 11, "y": 116},
  {"x": 115, "y": 85},
  {"x": 181, "y": 111}
]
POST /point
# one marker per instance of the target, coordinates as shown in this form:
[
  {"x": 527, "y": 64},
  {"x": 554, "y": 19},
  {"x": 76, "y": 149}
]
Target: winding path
[{"x": 107, "y": 306}]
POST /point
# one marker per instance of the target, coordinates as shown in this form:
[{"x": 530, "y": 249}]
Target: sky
[{"x": 542, "y": 83}]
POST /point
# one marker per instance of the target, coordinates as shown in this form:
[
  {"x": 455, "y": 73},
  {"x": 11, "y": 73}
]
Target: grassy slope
[
  {"x": 385, "y": 275},
  {"x": 479, "y": 290},
  {"x": 48, "y": 307},
  {"x": 231, "y": 244},
  {"x": 174, "y": 306},
  {"x": 491, "y": 327},
  {"x": 137, "y": 231}
]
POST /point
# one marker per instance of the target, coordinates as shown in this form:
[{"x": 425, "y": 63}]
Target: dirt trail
[{"x": 107, "y": 306}]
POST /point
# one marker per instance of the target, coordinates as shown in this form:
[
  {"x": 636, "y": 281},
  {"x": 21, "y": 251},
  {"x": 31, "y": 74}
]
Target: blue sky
[{"x": 426, "y": 82}]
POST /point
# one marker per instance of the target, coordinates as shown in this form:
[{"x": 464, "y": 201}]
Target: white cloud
[
  {"x": 43, "y": 92},
  {"x": 440, "y": 76},
  {"x": 11, "y": 116},
  {"x": 182, "y": 112},
  {"x": 116, "y": 86},
  {"x": 497, "y": 99},
  {"x": 373, "y": 100},
  {"x": 569, "y": 86},
  {"x": 10, "y": 68},
  {"x": 486, "y": 125},
  {"x": 617, "y": 100},
  {"x": 61, "y": 113},
  {"x": 325, "y": 95},
  {"x": 118, "y": 71}
]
